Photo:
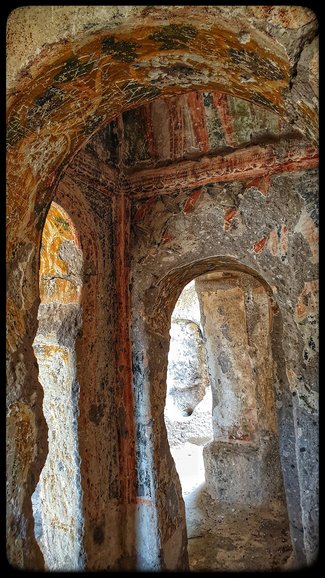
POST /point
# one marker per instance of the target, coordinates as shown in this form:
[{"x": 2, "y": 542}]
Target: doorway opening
[
  {"x": 221, "y": 423},
  {"x": 57, "y": 500}
]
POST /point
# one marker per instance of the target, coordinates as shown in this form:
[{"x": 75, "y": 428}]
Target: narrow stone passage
[{"x": 222, "y": 537}]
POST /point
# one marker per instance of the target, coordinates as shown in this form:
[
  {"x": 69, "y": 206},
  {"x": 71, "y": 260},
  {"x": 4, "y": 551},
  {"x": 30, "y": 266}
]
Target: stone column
[
  {"x": 187, "y": 374},
  {"x": 57, "y": 500},
  {"x": 188, "y": 400},
  {"x": 243, "y": 456}
]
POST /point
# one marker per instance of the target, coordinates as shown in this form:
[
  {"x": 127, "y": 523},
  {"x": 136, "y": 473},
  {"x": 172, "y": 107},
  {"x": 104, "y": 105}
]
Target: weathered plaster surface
[{"x": 77, "y": 85}]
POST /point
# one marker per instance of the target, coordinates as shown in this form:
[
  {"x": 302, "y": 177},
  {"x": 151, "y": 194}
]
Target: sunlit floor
[{"x": 224, "y": 537}]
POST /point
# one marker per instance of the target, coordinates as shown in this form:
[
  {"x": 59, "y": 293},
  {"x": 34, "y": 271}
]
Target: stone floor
[{"x": 228, "y": 538}]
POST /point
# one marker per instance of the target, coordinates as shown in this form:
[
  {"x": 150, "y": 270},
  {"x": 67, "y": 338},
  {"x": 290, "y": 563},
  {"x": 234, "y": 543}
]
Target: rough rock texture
[
  {"x": 101, "y": 419},
  {"x": 187, "y": 375},
  {"x": 242, "y": 464},
  {"x": 229, "y": 537},
  {"x": 153, "y": 213},
  {"x": 188, "y": 404},
  {"x": 242, "y": 473},
  {"x": 57, "y": 500},
  {"x": 231, "y": 375},
  {"x": 188, "y": 306},
  {"x": 61, "y": 264},
  {"x": 195, "y": 428},
  {"x": 237, "y": 316}
]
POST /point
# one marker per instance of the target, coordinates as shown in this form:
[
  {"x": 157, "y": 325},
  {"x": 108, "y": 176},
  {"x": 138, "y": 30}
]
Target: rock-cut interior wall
[
  {"x": 97, "y": 411},
  {"x": 272, "y": 234},
  {"x": 242, "y": 462},
  {"x": 99, "y": 422},
  {"x": 70, "y": 71},
  {"x": 269, "y": 227}
]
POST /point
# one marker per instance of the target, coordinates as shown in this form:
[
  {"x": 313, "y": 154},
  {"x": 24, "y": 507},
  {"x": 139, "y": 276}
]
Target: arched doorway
[
  {"x": 57, "y": 500},
  {"x": 235, "y": 507}
]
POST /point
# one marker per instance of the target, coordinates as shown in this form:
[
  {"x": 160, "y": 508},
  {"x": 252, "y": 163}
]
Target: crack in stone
[{"x": 308, "y": 39}]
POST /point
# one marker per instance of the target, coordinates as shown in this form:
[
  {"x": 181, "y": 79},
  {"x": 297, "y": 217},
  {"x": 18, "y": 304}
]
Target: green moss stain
[
  {"x": 62, "y": 223},
  {"x": 241, "y": 118},
  {"x": 264, "y": 121}
]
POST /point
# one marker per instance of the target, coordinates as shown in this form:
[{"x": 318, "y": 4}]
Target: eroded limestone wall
[
  {"x": 188, "y": 399},
  {"x": 98, "y": 422},
  {"x": 187, "y": 376}
]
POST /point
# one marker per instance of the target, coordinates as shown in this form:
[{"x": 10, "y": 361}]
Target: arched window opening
[
  {"x": 220, "y": 416},
  {"x": 57, "y": 500}
]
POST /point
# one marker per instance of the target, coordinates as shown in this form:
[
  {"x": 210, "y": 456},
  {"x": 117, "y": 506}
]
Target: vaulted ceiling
[{"x": 186, "y": 126}]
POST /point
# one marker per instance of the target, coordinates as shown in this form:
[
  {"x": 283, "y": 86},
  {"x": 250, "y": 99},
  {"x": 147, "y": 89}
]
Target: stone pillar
[
  {"x": 242, "y": 462},
  {"x": 188, "y": 400},
  {"x": 57, "y": 500},
  {"x": 187, "y": 375}
]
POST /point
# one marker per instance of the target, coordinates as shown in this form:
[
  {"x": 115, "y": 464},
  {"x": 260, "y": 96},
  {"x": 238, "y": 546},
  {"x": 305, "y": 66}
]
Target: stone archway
[
  {"x": 242, "y": 490},
  {"x": 55, "y": 104},
  {"x": 153, "y": 331}
]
